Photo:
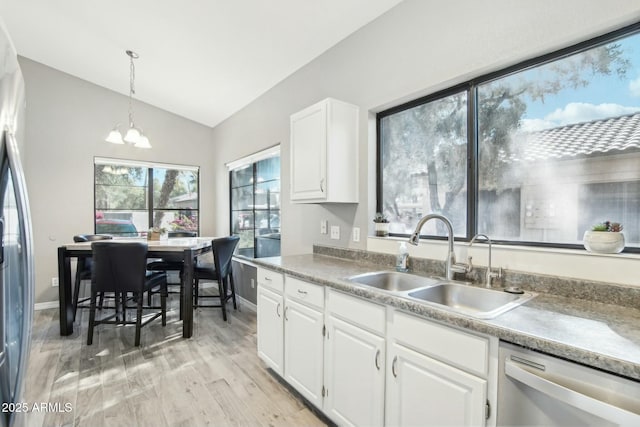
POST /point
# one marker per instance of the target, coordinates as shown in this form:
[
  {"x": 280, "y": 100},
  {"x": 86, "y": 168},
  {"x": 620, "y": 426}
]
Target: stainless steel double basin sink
[{"x": 481, "y": 303}]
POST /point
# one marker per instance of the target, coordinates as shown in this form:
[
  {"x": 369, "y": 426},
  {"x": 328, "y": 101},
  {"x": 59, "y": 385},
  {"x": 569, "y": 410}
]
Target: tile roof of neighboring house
[{"x": 580, "y": 139}]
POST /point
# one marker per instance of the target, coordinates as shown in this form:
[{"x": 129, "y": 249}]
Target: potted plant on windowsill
[
  {"x": 155, "y": 233},
  {"x": 382, "y": 224},
  {"x": 604, "y": 238}
]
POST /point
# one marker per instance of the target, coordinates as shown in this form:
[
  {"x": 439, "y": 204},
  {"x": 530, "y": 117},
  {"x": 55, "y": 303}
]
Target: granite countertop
[{"x": 599, "y": 335}]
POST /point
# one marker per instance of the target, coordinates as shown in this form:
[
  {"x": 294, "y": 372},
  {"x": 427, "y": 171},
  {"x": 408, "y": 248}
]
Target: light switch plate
[
  {"x": 335, "y": 232},
  {"x": 323, "y": 226},
  {"x": 356, "y": 234}
]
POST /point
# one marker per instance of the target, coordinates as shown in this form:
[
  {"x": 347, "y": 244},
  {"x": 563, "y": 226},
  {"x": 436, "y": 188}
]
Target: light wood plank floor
[{"x": 212, "y": 379}]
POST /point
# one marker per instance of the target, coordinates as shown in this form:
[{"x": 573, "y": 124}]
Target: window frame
[
  {"x": 252, "y": 161},
  {"x": 150, "y": 166},
  {"x": 471, "y": 86}
]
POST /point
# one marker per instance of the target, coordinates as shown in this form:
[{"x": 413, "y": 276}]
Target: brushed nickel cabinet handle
[
  {"x": 278, "y": 309},
  {"x": 378, "y": 360},
  {"x": 393, "y": 366}
]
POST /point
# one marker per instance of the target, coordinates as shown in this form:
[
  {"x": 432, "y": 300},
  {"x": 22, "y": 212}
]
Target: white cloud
[
  {"x": 576, "y": 112},
  {"x": 533, "y": 125},
  {"x": 634, "y": 87}
]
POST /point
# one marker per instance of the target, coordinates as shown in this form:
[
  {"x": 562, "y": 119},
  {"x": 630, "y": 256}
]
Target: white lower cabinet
[
  {"x": 303, "y": 338},
  {"x": 424, "y": 391},
  {"x": 436, "y": 375},
  {"x": 270, "y": 308},
  {"x": 354, "y": 361},
  {"x": 366, "y": 364}
]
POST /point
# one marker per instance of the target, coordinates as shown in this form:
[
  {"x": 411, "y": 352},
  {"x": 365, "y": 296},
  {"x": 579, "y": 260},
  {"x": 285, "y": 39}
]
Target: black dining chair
[
  {"x": 84, "y": 268},
  {"x": 169, "y": 263},
  {"x": 120, "y": 268},
  {"x": 220, "y": 271}
]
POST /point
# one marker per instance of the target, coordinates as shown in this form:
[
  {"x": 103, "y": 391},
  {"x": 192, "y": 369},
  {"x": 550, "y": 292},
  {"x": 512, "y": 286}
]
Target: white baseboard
[
  {"x": 248, "y": 304},
  {"x": 45, "y": 305}
]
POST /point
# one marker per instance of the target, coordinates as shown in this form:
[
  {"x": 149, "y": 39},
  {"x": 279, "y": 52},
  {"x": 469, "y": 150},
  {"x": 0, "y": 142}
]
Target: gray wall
[
  {"x": 418, "y": 47},
  {"x": 67, "y": 121},
  {"x": 245, "y": 280}
]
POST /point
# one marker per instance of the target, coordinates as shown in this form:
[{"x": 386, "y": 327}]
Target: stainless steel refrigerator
[{"x": 16, "y": 253}]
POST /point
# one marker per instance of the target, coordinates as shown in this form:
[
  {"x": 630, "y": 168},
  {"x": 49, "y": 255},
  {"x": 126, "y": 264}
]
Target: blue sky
[{"x": 606, "y": 96}]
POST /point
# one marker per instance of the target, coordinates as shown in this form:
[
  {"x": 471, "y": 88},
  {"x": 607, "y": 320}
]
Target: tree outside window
[
  {"x": 130, "y": 198},
  {"x": 553, "y": 147}
]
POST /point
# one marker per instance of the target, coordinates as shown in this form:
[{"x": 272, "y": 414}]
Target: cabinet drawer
[
  {"x": 365, "y": 314},
  {"x": 304, "y": 292},
  {"x": 452, "y": 346},
  {"x": 270, "y": 279}
]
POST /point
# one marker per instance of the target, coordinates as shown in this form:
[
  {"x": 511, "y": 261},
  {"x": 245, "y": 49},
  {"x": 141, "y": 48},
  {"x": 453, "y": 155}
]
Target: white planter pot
[
  {"x": 603, "y": 242},
  {"x": 382, "y": 228}
]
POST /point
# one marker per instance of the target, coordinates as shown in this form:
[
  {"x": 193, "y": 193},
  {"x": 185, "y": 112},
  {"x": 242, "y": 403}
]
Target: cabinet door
[
  {"x": 270, "y": 328},
  {"x": 423, "y": 391},
  {"x": 354, "y": 375},
  {"x": 303, "y": 345},
  {"x": 309, "y": 153}
]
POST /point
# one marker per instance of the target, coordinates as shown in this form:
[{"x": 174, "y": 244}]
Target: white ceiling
[{"x": 200, "y": 59}]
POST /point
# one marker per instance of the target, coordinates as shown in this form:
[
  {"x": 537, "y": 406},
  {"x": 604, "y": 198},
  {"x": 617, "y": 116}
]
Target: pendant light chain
[
  {"x": 134, "y": 135},
  {"x": 132, "y": 87}
]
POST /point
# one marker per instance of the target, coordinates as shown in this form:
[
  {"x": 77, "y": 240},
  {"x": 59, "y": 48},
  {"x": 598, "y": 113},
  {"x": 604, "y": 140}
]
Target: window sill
[{"x": 574, "y": 263}]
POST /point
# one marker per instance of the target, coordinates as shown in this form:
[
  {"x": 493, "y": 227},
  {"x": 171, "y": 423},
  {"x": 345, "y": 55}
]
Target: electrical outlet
[
  {"x": 323, "y": 226},
  {"x": 54, "y": 282},
  {"x": 356, "y": 234},
  {"x": 335, "y": 232}
]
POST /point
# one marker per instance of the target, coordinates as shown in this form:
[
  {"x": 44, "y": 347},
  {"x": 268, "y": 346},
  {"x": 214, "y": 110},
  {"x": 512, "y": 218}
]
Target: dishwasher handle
[{"x": 571, "y": 397}]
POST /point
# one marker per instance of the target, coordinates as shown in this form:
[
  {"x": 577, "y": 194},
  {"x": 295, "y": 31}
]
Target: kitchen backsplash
[{"x": 601, "y": 292}]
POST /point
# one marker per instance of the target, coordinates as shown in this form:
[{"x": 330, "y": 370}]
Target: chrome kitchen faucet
[{"x": 450, "y": 266}]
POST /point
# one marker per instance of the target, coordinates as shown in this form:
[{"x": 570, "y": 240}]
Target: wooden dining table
[{"x": 188, "y": 248}]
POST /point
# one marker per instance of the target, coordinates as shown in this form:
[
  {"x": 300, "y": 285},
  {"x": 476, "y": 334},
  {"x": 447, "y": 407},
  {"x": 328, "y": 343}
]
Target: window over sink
[{"x": 532, "y": 154}]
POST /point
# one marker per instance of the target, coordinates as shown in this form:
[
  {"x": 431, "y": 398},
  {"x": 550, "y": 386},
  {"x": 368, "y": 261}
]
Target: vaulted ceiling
[{"x": 200, "y": 59}]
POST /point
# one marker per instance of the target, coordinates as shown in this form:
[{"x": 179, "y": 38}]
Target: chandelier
[{"x": 134, "y": 135}]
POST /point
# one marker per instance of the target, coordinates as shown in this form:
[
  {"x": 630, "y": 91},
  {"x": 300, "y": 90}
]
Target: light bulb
[
  {"x": 132, "y": 136},
  {"x": 143, "y": 142},
  {"x": 114, "y": 137}
]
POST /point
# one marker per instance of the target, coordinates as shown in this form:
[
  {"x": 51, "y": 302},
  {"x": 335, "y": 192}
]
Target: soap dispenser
[{"x": 402, "y": 259}]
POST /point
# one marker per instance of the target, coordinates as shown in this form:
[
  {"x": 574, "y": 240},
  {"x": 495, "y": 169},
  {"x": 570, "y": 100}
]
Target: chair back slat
[
  {"x": 91, "y": 237},
  {"x": 119, "y": 266},
  {"x": 222, "y": 253},
  {"x": 87, "y": 264}
]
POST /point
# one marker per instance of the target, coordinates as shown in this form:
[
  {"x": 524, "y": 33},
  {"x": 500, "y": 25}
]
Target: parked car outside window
[{"x": 116, "y": 227}]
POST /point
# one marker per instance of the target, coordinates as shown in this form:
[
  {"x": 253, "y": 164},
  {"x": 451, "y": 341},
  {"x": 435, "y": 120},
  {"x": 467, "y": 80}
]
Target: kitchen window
[
  {"x": 131, "y": 197},
  {"x": 424, "y": 164},
  {"x": 533, "y": 154},
  {"x": 255, "y": 203}
]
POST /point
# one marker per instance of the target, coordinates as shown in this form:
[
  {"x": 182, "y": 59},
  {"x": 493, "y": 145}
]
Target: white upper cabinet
[{"x": 324, "y": 153}]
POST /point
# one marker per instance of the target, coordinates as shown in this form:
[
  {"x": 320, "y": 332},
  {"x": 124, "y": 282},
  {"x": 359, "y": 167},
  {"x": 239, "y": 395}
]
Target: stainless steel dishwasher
[{"x": 535, "y": 389}]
